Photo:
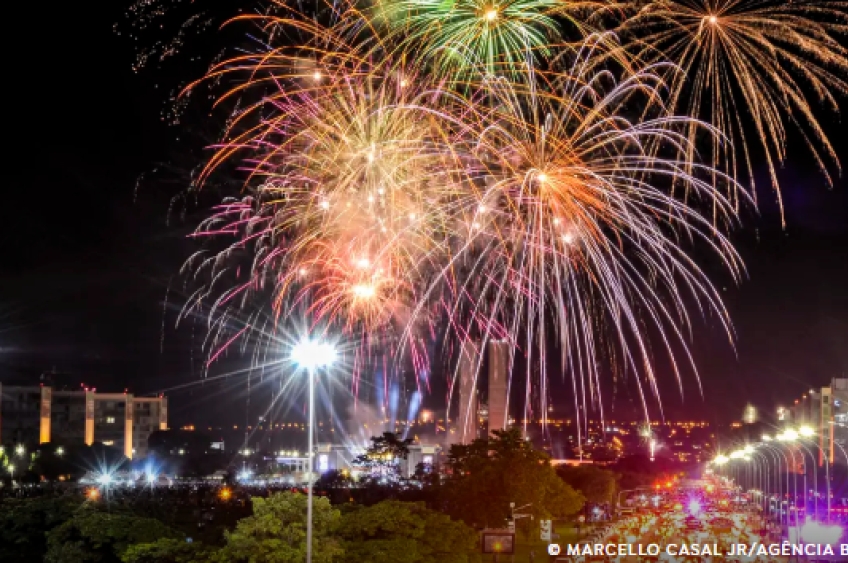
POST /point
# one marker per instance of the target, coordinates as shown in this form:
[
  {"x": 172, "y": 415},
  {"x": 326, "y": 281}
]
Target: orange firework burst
[
  {"x": 383, "y": 199},
  {"x": 752, "y": 68},
  {"x": 574, "y": 220}
]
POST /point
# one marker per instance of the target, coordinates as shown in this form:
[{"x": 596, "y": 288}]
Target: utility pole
[{"x": 515, "y": 516}]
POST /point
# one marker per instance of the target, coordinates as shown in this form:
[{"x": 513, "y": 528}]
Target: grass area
[{"x": 524, "y": 546}]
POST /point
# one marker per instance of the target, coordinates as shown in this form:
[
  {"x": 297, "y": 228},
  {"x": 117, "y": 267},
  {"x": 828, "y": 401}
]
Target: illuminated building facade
[
  {"x": 834, "y": 419},
  {"x": 32, "y": 415},
  {"x": 825, "y": 410},
  {"x": 498, "y": 400},
  {"x": 493, "y": 382},
  {"x": 330, "y": 457},
  {"x": 467, "y": 424},
  {"x": 21, "y": 415},
  {"x": 750, "y": 416}
]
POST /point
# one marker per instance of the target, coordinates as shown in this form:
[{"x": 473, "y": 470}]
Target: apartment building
[{"x": 42, "y": 414}]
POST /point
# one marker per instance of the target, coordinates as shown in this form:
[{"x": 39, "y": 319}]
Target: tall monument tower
[
  {"x": 466, "y": 423},
  {"x": 498, "y": 385}
]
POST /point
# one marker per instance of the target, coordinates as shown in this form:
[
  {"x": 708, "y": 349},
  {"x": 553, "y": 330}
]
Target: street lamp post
[{"x": 311, "y": 355}]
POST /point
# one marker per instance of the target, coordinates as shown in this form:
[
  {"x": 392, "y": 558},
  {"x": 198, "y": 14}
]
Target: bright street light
[
  {"x": 694, "y": 507},
  {"x": 815, "y": 532},
  {"x": 788, "y": 436},
  {"x": 20, "y": 449},
  {"x": 806, "y": 431},
  {"x": 310, "y": 355},
  {"x": 721, "y": 459}
]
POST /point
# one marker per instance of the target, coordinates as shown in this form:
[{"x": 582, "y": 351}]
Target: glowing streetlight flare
[
  {"x": 491, "y": 14},
  {"x": 310, "y": 354},
  {"x": 788, "y": 436},
  {"x": 694, "y": 507},
  {"x": 806, "y": 431}
]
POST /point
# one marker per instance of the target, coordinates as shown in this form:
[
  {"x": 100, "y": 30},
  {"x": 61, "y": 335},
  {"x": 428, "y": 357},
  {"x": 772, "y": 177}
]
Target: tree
[
  {"x": 597, "y": 485},
  {"x": 489, "y": 474},
  {"x": 639, "y": 471},
  {"x": 383, "y": 454},
  {"x": 405, "y": 532},
  {"x": 334, "y": 479},
  {"x": 24, "y": 524},
  {"x": 90, "y": 535},
  {"x": 276, "y": 533},
  {"x": 186, "y": 452},
  {"x": 168, "y": 551}
]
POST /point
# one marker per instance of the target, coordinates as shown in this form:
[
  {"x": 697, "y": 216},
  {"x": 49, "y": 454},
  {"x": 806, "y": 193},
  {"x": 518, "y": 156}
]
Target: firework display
[
  {"x": 753, "y": 68},
  {"x": 467, "y": 171}
]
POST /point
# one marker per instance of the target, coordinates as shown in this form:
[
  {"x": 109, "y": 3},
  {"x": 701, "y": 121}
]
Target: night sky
[{"x": 87, "y": 250}]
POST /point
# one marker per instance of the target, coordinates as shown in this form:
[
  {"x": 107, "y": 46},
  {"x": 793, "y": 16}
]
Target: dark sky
[{"x": 87, "y": 257}]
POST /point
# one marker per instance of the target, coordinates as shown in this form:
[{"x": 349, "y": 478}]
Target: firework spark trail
[
  {"x": 357, "y": 178},
  {"x": 385, "y": 200},
  {"x": 752, "y": 68},
  {"x": 580, "y": 208}
]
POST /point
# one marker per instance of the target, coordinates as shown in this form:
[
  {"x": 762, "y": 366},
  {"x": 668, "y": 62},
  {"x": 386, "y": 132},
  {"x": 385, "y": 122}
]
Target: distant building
[
  {"x": 834, "y": 419},
  {"x": 20, "y": 415},
  {"x": 467, "y": 424},
  {"x": 749, "y": 416},
  {"x": 32, "y": 415},
  {"x": 476, "y": 383},
  {"x": 498, "y": 400},
  {"x": 825, "y": 410},
  {"x": 341, "y": 458}
]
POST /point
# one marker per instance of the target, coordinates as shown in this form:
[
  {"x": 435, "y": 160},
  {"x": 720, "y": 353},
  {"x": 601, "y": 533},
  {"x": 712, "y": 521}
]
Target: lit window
[{"x": 110, "y": 420}]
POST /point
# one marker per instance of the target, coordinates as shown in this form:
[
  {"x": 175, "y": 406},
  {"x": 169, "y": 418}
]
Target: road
[{"x": 681, "y": 525}]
